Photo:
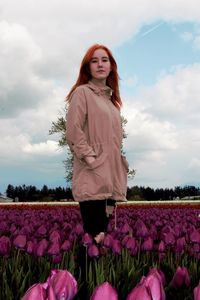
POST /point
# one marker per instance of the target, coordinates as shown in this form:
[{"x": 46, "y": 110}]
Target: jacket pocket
[
  {"x": 125, "y": 163},
  {"x": 98, "y": 161}
]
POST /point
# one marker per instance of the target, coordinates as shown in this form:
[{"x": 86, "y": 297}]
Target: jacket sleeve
[{"x": 75, "y": 120}]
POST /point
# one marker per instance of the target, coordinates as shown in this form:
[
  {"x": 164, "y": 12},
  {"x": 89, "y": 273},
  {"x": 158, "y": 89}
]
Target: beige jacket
[{"x": 93, "y": 128}]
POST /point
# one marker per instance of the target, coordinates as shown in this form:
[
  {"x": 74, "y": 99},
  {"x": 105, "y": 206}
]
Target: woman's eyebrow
[{"x": 95, "y": 57}]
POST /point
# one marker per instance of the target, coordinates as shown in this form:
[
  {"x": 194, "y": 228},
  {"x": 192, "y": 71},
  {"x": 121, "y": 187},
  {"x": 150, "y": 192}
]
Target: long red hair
[{"x": 112, "y": 80}]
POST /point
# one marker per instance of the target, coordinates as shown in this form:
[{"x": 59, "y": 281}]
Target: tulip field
[{"x": 151, "y": 251}]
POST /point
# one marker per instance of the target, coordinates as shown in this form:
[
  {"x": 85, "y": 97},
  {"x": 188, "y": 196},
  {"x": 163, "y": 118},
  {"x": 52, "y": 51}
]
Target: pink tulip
[
  {"x": 180, "y": 278},
  {"x": 20, "y": 241},
  {"x": 197, "y": 292},
  {"x": 63, "y": 284},
  {"x": 153, "y": 283},
  {"x": 105, "y": 291},
  {"x": 36, "y": 292},
  {"x": 140, "y": 292},
  {"x": 51, "y": 294}
]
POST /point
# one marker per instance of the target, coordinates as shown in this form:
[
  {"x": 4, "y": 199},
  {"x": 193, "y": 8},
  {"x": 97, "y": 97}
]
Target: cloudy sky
[{"x": 157, "y": 47}]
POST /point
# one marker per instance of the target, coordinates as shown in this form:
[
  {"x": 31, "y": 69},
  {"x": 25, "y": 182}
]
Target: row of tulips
[
  {"x": 61, "y": 285},
  {"x": 34, "y": 241}
]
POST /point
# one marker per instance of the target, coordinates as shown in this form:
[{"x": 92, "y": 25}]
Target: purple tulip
[
  {"x": 141, "y": 229},
  {"x": 56, "y": 259},
  {"x": 125, "y": 228},
  {"x": 140, "y": 292},
  {"x": 197, "y": 292},
  {"x": 108, "y": 241},
  {"x": 105, "y": 291},
  {"x": 131, "y": 243},
  {"x": 41, "y": 248},
  {"x": 125, "y": 240},
  {"x": 116, "y": 247},
  {"x": 79, "y": 229},
  {"x": 180, "y": 278},
  {"x": 20, "y": 241},
  {"x": 55, "y": 237},
  {"x": 87, "y": 239},
  {"x": 36, "y": 292},
  {"x": 161, "y": 246},
  {"x": 169, "y": 238},
  {"x": 42, "y": 230},
  {"x": 63, "y": 284},
  {"x": 180, "y": 244},
  {"x": 30, "y": 247},
  {"x": 5, "y": 245},
  {"x": 54, "y": 248},
  {"x": 195, "y": 236},
  {"x": 93, "y": 251},
  {"x": 148, "y": 244},
  {"x": 66, "y": 246}
]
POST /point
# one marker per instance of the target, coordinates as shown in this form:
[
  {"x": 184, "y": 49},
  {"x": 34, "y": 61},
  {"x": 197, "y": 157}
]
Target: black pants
[{"x": 94, "y": 217}]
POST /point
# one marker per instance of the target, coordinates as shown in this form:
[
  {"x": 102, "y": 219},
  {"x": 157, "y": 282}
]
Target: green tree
[{"x": 59, "y": 127}]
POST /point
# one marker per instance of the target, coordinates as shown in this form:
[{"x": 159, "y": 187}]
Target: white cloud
[
  {"x": 45, "y": 148},
  {"x": 163, "y": 129},
  {"x": 41, "y": 46}
]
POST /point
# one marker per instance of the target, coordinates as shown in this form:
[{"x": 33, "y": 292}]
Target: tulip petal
[{"x": 105, "y": 291}]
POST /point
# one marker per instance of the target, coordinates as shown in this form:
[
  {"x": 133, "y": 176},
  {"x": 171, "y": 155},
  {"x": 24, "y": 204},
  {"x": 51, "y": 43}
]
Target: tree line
[{"x": 31, "y": 193}]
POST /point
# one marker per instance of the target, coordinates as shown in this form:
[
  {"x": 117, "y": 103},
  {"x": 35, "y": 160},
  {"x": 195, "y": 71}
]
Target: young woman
[{"x": 94, "y": 135}]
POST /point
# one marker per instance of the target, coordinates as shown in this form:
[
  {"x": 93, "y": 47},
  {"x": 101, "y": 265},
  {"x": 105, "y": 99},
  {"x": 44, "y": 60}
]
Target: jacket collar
[{"x": 100, "y": 90}]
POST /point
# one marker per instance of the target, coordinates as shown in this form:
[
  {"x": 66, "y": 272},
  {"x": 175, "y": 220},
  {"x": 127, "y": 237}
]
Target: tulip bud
[
  {"x": 147, "y": 244},
  {"x": 140, "y": 292},
  {"x": 40, "y": 249},
  {"x": 66, "y": 246},
  {"x": 36, "y": 292},
  {"x": 105, "y": 291},
  {"x": 5, "y": 245},
  {"x": 20, "y": 241},
  {"x": 87, "y": 239},
  {"x": 180, "y": 278},
  {"x": 93, "y": 251},
  {"x": 108, "y": 241},
  {"x": 63, "y": 284},
  {"x": 197, "y": 292},
  {"x": 116, "y": 247}
]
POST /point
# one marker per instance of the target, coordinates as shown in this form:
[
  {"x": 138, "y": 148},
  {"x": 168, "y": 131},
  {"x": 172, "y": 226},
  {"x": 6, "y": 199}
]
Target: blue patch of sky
[{"x": 157, "y": 48}]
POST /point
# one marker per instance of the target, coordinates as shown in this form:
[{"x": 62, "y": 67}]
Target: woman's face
[{"x": 100, "y": 65}]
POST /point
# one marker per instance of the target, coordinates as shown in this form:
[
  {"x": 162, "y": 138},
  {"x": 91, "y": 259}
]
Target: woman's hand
[{"x": 89, "y": 159}]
